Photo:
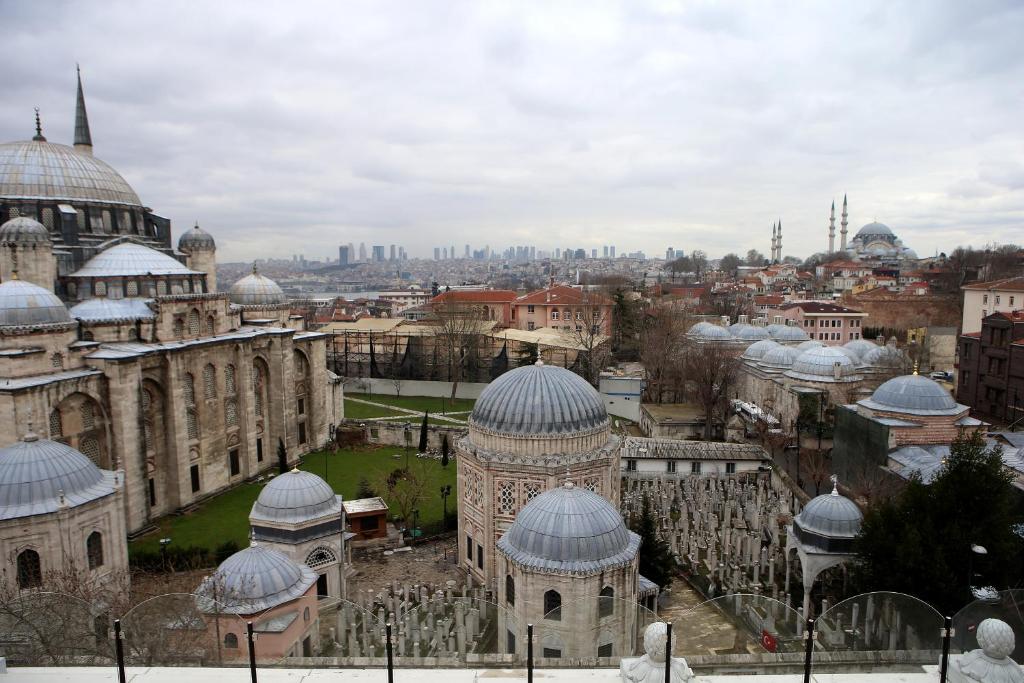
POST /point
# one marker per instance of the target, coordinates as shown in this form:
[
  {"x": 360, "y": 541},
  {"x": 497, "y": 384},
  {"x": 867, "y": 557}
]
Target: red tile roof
[
  {"x": 477, "y": 296},
  {"x": 562, "y": 294},
  {"x": 818, "y": 307},
  {"x": 1013, "y": 284}
]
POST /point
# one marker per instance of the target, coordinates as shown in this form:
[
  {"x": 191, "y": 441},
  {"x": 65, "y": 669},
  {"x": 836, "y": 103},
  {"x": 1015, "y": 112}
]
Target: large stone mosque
[
  {"x": 116, "y": 345},
  {"x": 873, "y": 242}
]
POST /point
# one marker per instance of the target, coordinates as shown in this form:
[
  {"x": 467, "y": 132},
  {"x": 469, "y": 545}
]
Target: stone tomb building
[
  {"x": 121, "y": 347},
  {"x": 532, "y": 429}
]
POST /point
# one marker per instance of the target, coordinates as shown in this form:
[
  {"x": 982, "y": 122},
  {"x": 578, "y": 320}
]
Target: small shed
[{"x": 367, "y": 518}]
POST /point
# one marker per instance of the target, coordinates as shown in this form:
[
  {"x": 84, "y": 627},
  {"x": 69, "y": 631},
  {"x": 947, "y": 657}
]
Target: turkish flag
[{"x": 768, "y": 641}]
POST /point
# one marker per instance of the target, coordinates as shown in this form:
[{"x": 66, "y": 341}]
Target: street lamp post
[
  {"x": 164, "y": 542},
  {"x": 446, "y": 491}
]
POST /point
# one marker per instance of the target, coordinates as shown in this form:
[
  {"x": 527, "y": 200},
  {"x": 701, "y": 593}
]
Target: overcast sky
[{"x": 294, "y": 127}]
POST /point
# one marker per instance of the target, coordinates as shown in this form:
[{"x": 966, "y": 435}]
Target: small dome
[
  {"x": 24, "y": 230},
  {"x": 913, "y": 395},
  {"x": 255, "y": 579},
  {"x": 568, "y": 529},
  {"x": 736, "y": 328},
  {"x": 830, "y": 516},
  {"x": 849, "y": 353},
  {"x": 809, "y": 344},
  {"x": 715, "y": 333},
  {"x": 539, "y": 400},
  {"x": 885, "y": 357},
  {"x": 700, "y": 328},
  {"x": 196, "y": 239},
  {"x": 36, "y": 473},
  {"x": 23, "y": 304},
  {"x": 751, "y": 333},
  {"x": 787, "y": 333},
  {"x": 780, "y": 358},
  {"x": 256, "y": 290},
  {"x": 131, "y": 259},
  {"x": 861, "y": 347},
  {"x": 295, "y": 496},
  {"x": 36, "y": 169},
  {"x": 874, "y": 229},
  {"x": 819, "y": 365},
  {"x": 757, "y": 350}
]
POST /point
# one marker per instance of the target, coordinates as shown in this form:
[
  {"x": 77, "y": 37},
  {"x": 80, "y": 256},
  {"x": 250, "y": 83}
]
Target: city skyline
[{"x": 646, "y": 127}]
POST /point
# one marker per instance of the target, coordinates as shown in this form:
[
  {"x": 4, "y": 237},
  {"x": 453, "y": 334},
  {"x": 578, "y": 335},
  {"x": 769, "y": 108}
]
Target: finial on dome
[
  {"x": 39, "y": 129},
  {"x": 915, "y": 367},
  {"x": 252, "y": 538},
  {"x": 295, "y": 468},
  {"x": 568, "y": 484},
  {"x": 835, "y": 485},
  {"x": 255, "y": 271},
  {"x": 30, "y": 434},
  {"x": 539, "y": 362}
]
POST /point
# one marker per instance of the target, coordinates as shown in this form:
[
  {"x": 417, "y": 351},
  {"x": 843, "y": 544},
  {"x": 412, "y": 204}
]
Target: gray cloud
[{"x": 645, "y": 125}]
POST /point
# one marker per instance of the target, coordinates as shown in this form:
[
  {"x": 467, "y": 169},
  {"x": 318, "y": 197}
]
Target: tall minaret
[
  {"x": 771, "y": 255},
  {"x": 842, "y": 231},
  {"x": 778, "y": 245},
  {"x": 832, "y": 228},
  {"x": 83, "y": 139}
]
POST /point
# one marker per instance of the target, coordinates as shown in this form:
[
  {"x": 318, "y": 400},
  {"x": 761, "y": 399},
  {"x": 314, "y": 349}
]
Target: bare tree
[
  {"x": 818, "y": 466},
  {"x": 592, "y": 320},
  {"x": 711, "y": 370},
  {"x": 661, "y": 342},
  {"x": 460, "y": 335},
  {"x": 403, "y": 488}
]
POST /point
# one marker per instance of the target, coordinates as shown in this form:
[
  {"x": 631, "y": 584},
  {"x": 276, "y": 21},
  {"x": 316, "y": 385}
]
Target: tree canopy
[
  {"x": 919, "y": 541},
  {"x": 656, "y": 560}
]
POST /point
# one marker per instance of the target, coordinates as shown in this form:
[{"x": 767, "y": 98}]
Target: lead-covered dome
[
  {"x": 861, "y": 347},
  {"x": 295, "y": 496},
  {"x": 38, "y": 476},
  {"x": 885, "y": 357},
  {"x": 36, "y": 169},
  {"x": 196, "y": 239},
  {"x": 23, "y": 304},
  {"x": 24, "y": 230},
  {"x": 539, "y": 400},
  {"x": 780, "y": 358},
  {"x": 913, "y": 395},
  {"x": 830, "y": 516},
  {"x": 132, "y": 259},
  {"x": 823, "y": 364},
  {"x": 809, "y": 344},
  {"x": 568, "y": 529},
  {"x": 758, "y": 349},
  {"x": 255, "y": 579},
  {"x": 752, "y": 333},
  {"x": 256, "y": 290},
  {"x": 787, "y": 333},
  {"x": 872, "y": 229}
]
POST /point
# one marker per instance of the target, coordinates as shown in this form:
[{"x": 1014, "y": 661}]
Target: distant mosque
[{"x": 873, "y": 242}]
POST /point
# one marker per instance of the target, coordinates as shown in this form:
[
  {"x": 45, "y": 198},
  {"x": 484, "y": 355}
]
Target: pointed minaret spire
[
  {"x": 778, "y": 244},
  {"x": 83, "y": 138},
  {"x": 771, "y": 254},
  {"x": 842, "y": 225},
  {"x": 832, "y": 228},
  {"x": 38, "y": 137}
]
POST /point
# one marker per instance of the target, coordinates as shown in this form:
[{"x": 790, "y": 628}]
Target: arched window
[
  {"x": 209, "y": 381},
  {"x": 510, "y": 590},
  {"x": 229, "y": 380},
  {"x": 91, "y": 448},
  {"x": 56, "y": 428},
  {"x": 131, "y": 288},
  {"x": 179, "y": 327},
  {"x": 101, "y": 288},
  {"x": 231, "y": 412},
  {"x": 305, "y": 614},
  {"x": 147, "y": 420},
  {"x": 230, "y": 641},
  {"x": 88, "y": 415},
  {"x": 30, "y": 572},
  {"x": 606, "y": 602},
  {"x": 320, "y": 557},
  {"x": 57, "y": 361},
  {"x": 193, "y": 322},
  {"x": 94, "y": 549},
  {"x": 258, "y": 382},
  {"x": 552, "y": 605},
  {"x": 188, "y": 385},
  {"x": 211, "y": 325}
]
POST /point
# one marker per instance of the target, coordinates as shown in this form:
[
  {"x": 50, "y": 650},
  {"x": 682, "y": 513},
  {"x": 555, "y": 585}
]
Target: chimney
[
  {"x": 725, "y": 321},
  {"x": 777, "y": 320},
  {"x": 744, "y": 319},
  {"x": 837, "y": 370}
]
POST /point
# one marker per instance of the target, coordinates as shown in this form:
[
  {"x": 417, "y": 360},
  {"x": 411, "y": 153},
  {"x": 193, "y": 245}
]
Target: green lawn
[
  {"x": 418, "y": 403},
  {"x": 358, "y": 411},
  {"x": 226, "y": 517}
]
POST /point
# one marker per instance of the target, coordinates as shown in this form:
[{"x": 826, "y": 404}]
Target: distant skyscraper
[
  {"x": 343, "y": 255},
  {"x": 394, "y": 253},
  {"x": 670, "y": 254},
  {"x": 452, "y": 252},
  {"x": 606, "y": 251},
  {"x": 467, "y": 251},
  {"x": 558, "y": 253},
  {"x": 612, "y": 250},
  {"x": 437, "y": 253},
  {"x": 593, "y": 253},
  {"x": 378, "y": 253},
  {"x": 362, "y": 252},
  {"x": 444, "y": 253}
]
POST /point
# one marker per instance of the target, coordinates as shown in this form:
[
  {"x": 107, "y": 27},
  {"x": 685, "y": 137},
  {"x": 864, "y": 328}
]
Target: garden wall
[
  {"x": 395, "y": 434},
  {"x": 413, "y": 387}
]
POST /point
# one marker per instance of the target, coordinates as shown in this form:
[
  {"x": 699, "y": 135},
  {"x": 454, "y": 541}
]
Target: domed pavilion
[
  {"x": 569, "y": 565},
  {"x": 532, "y": 429}
]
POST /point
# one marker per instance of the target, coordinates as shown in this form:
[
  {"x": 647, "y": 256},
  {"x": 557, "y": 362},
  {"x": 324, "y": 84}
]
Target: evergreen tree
[
  {"x": 423, "y": 434},
  {"x": 444, "y": 451},
  {"x": 656, "y": 560},
  {"x": 365, "y": 490},
  {"x": 282, "y": 457},
  {"x": 919, "y": 541}
]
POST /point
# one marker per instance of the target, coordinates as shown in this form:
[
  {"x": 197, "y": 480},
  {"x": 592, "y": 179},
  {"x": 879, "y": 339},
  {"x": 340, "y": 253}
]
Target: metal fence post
[
  {"x": 252, "y": 650},
  {"x": 529, "y": 653},
  {"x": 947, "y": 635},
  {"x": 119, "y": 651},
  {"x": 387, "y": 649},
  {"x": 668, "y": 652},
  {"x": 808, "y": 650}
]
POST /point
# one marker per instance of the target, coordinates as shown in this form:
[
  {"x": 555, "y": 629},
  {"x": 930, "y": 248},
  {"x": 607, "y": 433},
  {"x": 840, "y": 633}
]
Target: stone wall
[{"x": 410, "y": 387}]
